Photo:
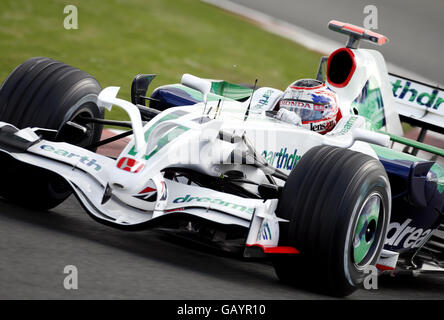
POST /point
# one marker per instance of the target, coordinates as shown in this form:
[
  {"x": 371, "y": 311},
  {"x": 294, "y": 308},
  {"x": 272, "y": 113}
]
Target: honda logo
[{"x": 130, "y": 165}]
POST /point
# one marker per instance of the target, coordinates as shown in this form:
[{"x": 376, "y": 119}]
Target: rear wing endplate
[{"x": 418, "y": 103}]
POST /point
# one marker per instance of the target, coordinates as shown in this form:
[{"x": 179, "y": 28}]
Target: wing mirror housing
[{"x": 199, "y": 84}]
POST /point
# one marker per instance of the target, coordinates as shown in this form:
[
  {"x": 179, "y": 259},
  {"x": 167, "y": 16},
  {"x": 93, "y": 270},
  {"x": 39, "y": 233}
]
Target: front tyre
[
  {"x": 45, "y": 93},
  {"x": 338, "y": 203}
]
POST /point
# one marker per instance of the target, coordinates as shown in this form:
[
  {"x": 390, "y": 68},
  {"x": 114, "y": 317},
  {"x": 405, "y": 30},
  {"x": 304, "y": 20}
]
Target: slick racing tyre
[
  {"x": 45, "y": 93},
  {"x": 337, "y": 202}
]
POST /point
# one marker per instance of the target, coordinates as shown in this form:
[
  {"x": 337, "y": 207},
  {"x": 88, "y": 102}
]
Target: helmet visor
[{"x": 306, "y": 110}]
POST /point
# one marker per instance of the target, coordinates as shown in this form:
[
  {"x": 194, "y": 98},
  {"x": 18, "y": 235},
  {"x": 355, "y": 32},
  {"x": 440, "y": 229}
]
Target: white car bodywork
[
  {"x": 91, "y": 175},
  {"x": 211, "y": 138}
]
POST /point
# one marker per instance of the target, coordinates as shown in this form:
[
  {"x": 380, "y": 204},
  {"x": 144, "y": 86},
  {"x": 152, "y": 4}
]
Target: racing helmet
[{"x": 314, "y": 103}]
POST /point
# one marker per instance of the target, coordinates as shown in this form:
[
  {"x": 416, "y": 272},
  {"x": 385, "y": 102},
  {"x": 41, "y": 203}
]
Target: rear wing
[
  {"x": 418, "y": 103},
  {"x": 356, "y": 33}
]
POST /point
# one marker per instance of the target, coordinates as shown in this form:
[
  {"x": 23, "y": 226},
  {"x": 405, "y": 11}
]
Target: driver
[{"x": 310, "y": 104}]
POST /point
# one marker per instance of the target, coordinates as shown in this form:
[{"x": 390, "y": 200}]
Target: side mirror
[
  {"x": 139, "y": 87},
  {"x": 199, "y": 84}
]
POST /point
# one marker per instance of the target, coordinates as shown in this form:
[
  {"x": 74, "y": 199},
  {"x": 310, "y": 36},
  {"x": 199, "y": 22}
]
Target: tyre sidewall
[{"x": 375, "y": 183}]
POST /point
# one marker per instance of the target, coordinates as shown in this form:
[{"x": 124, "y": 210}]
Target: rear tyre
[
  {"x": 45, "y": 93},
  {"x": 337, "y": 202}
]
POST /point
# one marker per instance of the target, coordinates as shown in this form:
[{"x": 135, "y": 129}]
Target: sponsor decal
[
  {"x": 148, "y": 194},
  {"x": 264, "y": 232},
  {"x": 83, "y": 159},
  {"x": 402, "y": 235},
  {"x": 322, "y": 126},
  {"x": 418, "y": 94},
  {"x": 265, "y": 97},
  {"x": 263, "y": 102},
  {"x": 189, "y": 198},
  {"x": 281, "y": 159},
  {"x": 347, "y": 126},
  {"x": 292, "y": 105},
  {"x": 130, "y": 165}
]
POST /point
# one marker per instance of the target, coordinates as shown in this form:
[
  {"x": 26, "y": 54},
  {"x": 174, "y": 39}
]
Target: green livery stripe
[
  {"x": 197, "y": 95},
  {"x": 173, "y": 134},
  {"x": 219, "y": 90},
  {"x": 415, "y": 144},
  {"x": 170, "y": 116},
  {"x": 370, "y": 105},
  {"x": 391, "y": 154},
  {"x": 230, "y": 90}
]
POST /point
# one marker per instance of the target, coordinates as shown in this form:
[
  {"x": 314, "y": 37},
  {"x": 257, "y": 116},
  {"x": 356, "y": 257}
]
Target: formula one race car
[{"x": 207, "y": 160}]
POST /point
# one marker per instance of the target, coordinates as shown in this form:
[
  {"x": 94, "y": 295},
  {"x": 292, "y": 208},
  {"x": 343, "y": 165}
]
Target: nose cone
[{"x": 127, "y": 174}]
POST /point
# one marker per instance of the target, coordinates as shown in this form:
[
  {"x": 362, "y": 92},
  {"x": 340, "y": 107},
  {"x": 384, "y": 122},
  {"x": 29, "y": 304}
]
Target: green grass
[{"x": 118, "y": 39}]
